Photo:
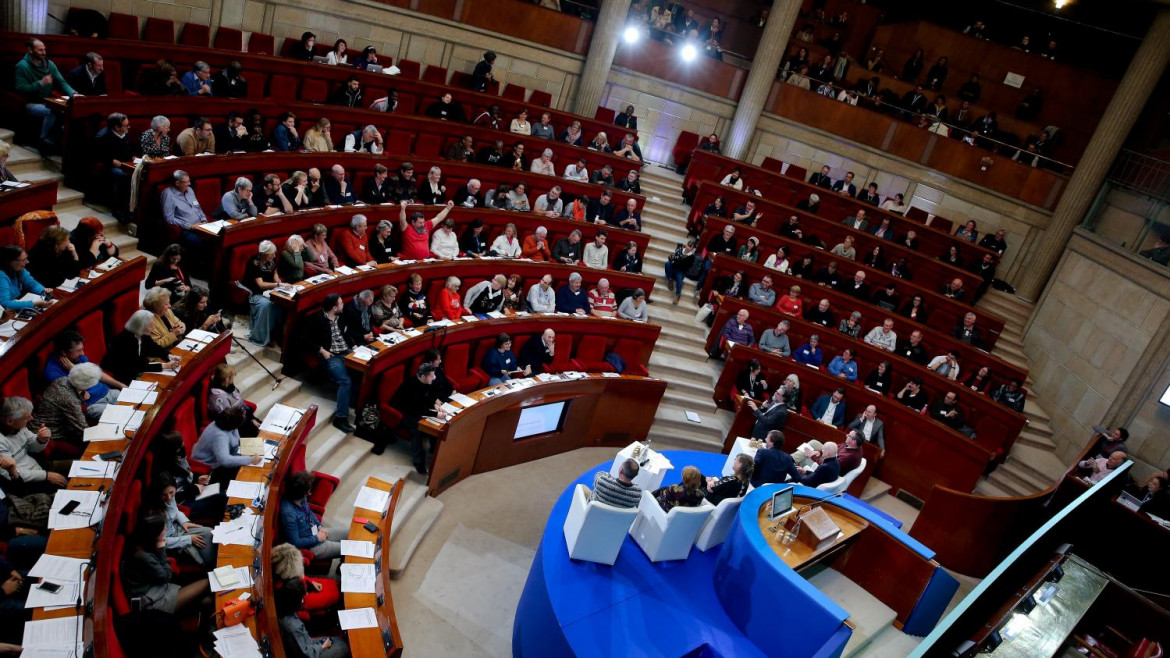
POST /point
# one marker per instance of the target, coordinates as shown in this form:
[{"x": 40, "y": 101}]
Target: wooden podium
[{"x": 817, "y": 530}]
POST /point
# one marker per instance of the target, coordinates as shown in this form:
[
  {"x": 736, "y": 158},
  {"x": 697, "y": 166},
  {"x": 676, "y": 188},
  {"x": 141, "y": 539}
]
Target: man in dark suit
[
  {"x": 830, "y": 408},
  {"x": 828, "y": 471},
  {"x": 114, "y": 147},
  {"x": 89, "y": 79},
  {"x": 414, "y": 400},
  {"x": 914, "y": 101},
  {"x": 845, "y": 185},
  {"x": 822, "y": 179},
  {"x": 772, "y": 463},
  {"x": 772, "y": 416},
  {"x": 869, "y": 427},
  {"x": 379, "y": 189}
]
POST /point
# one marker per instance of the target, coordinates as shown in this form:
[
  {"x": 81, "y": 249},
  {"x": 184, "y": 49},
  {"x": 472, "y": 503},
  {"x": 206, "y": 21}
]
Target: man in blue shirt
[
  {"x": 68, "y": 351},
  {"x": 844, "y": 366},
  {"x": 197, "y": 81},
  {"x": 571, "y": 299},
  {"x": 181, "y": 208}
]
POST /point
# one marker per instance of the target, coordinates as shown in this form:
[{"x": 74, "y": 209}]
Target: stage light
[
  {"x": 689, "y": 53},
  {"x": 631, "y": 35}
]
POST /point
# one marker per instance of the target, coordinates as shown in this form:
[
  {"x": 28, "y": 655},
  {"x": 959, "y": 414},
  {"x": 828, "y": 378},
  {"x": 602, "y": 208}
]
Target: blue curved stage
[{"x": 738, "y": 599}]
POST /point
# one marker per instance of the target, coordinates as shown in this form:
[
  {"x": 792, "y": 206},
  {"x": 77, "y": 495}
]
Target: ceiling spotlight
[
  {"x": 689, "y": 53},
  {"x": 631, "y": 35},
  {"x": 1060, "y": 3}
]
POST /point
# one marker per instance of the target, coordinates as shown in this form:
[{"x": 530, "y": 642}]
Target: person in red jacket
[
  {"x": 449, "y": 306},
  {"x": 354, "y": 245},
  {"x": 791, "y": 303}
]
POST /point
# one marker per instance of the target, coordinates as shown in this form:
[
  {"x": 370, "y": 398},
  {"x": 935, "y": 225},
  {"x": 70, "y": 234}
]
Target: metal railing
[{"x": 1141, "y": 173}]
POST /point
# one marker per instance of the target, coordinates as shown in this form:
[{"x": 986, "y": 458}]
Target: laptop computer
[{"x": 320, "y": 60}]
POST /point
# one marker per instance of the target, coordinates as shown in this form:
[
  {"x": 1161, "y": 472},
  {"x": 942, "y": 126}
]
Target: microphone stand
[{"x": 276, "y": 380}]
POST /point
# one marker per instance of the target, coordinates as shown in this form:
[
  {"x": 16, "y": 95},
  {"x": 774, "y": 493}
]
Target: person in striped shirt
[{"x": 620, "y": 491}]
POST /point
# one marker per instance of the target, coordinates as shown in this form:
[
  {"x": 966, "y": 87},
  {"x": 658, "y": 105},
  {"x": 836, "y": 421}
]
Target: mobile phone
[
  {"x": 110, "y": 456},
  {"x": 51, "y": 588},
  {"x": 69, "y": 507},
  {"x": 371, "y": 526}
]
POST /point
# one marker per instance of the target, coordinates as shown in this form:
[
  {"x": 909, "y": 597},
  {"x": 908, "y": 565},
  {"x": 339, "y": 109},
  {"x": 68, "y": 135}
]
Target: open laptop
[
  {"x": 374, "y": 68},
  {"x": 320, "y": 60}
]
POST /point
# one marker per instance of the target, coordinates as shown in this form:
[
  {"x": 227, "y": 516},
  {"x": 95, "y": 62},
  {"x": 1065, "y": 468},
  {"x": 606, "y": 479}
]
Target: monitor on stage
[
  {"x": 781, "y": 503},
  {"x": 541, "y": 419}
]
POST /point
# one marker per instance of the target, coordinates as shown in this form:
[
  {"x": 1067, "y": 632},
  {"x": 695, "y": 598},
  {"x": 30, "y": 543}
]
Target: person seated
[
  {"x": 185, "y": 540},
  {"x": 290, "y": 600},
  {"x": 820, "y": 314},
  {"x": 492, "y": 155},
  {"x": 147, "y": 575},
  {"x": 379, "y": 189},
  {"x": 845, "y": 249},
  {"x": 602, "y": 301},
  {"x": 229, "y": 83},
  {"x": 790, "y": 303},
  {"x": 199, "y": 138},
  {"x": 385, "y": 314},
  {"x": 163, "y": 81},
  {"x": 180, "y": 209},
  {"x": 846, "y": 186},
  {"x": 506, "y": 245},
  {"x": 568, "y": 250},
  {"x": 322, "y": 595},
  {"x": 887, "y": 298},
  {"x": 541, "y": 297},
  {"x": 353, "y": 245},
  {"x": 772, "y": 464},
  {"x": 473, "y": 242},
  {"x": 165, "y": 328},
  {"x": 620, "y": 491},
  {"x": 113, "y": 146},
  {"x": 467, "y": 196},
  {"x": 69, "y": 352},
  {"x": 843, "y": 366},
  {"x": 500, "y": 363},
  {"x": 952, "y": 256},
  {"x": 967, "y": 332},
  {"x": 338, "y": 188},
  {"x": 628, "y": 148},
  {"x": 830, "y": 408},
  {"x": 300, "y": 526},
  {"x": 628, "y": 217},
  {"x": 53, "y": 259},
  {"x": 688, "y": 493},
  {"x": 462, "y": 150},
  {"x": 486, "y": 296},
  {"x": 947, "y": 411},
  {"x": 550, "y": 204},
  {"x": 237, "y": 202},
  {"x": 348, "y": 94},
  {"x": 856, "y": 287},
  {"x": 571, "y": 298},
  {"x": 413, "y": 303},
  {"x": 89, "y": 78},
  {"x": 946, "y": 365},
  {"x": 448, "y": 305},
  {"x": 490, "y": 118},
  {"x": 629, "y": 260},
  {"x": 368, "y": 57},
  {"x": 60, "y": 408},
  {"x": 896, "y": 205},
  {"x": 828, "y": 276},
  {"x": 432, "y": 192},
  {"x": 303, "y": 50},
  {"x": 285, "y": 136},
  {"x": 364, "y": 140},
  {"x": 271, "y": 200},
  {"x": 596, "y": 254},
  {"x": 446, "y": 109},
  {"x": 260, "y": 276},
  {"x": 535, "y": 246},
  {"x": 870, "y": 195},
  {"x": 318, "y": 256},
  {"x": 1011, "y": 395},
  {"x": 417, "y": 397},
  {"x": 1096, "y": 469},
  {"x": 884, "y": 336},
  {"x": 222, "y": 395},
  {"x": 737, "y": 330},
  {"x": 130, "y": 351},
  {"x": 736, "y": 485},
  {"x": 520, "y": 125},
  {"x": 851, "y": 326},
  {"x": 979, "y": 380},
  {"x": 810, "y": 353},
  {"x": 1030, "y": 107},
  {"x": 218, "y": 446},
  {"x": 600, "y": 143},
  {"x": 997, "y": 243},
  {"x": 750, "y": 382}
]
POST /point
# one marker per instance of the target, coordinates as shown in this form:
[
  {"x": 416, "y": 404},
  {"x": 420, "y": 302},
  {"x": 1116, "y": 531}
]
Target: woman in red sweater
[
  {"x": 791, "y": 303},
  {"x": 449, "y": 306}
]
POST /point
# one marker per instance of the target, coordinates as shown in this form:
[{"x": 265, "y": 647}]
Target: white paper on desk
[
  {"x": 365, "y": 268},
  {"x": 69, "y": 285},
  {"x": 252, "y": 446},
  {"x": 440, "y": 323},
  {"x": 137, "y": 396},
  {"x": 241, "y": 489},
  {"x": 243, "y": 573},
  {"x": 135, "y": 421},
  {"x": 210, "y": 490},
  {"x": 610, "y": 374},
  {"x": 56, "y": 633},
  {"x": 201, "y": 335},
  {"x": 240, "y": 530},
  {"x": 116, "y": 414},
  {"x": 166, "y": 373},
  {"x": 495, "y": 314},
  {"x": 462, "y": 399},
  {"x": 88, "y": 511},
  {"x": 66, "y": 596},
  {"x": 450, "y": 409},
  {"x": 357, "y": 548},
  {"x": 212, "y": 227},
  {"x": 358, "y": 578},
  {"x": 281, "y": 418},
  {"x": 345, "y": 269},
  {"x": 9, "y": 329},
  {"x": 93, "y": 274},
  {"x": 45, "y": 652},
  {"x": 358, "y": 618},
  {"x": 236, "y": 642},
  {"x": 413, "y": 333},
  {"x": 469, "y": 318},
  {"x": 190, "y": 345},
  {"x": 320, "y": 278},
  {"x": 542, "y": 377},
  {"x": 362, "y": 353},
  {"x": 371, "y": 499},
  {"x": 109, "y": 264},
  {"x": 58, "y": 568},
  {"x": 92, "y": 469},
  {"x": 103, "y": 432},
  {"x": 30, "y": 297}
]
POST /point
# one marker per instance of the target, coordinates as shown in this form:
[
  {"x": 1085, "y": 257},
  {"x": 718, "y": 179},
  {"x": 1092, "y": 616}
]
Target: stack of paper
[
  {"x": 365, "y": 268},
  {"x": 281, "y": 419},
  {"x": 243, "y": 579},
  {"x": 358, "y": 578},
  {"x": 139, "y": 395},
  {"x": 103, "y": 432},
  {"x": 54, "y": 637},
  {"x": 9, "y": 329},
  {"x": 362, "y": 353},
  {"x": 355, "y": 548},
  {"x": 240, "y": 531},
  {"x": 345, "y": 270},
  {"x": 88, "y": 511},
  {"x": 199, "y": 335},
  {"x": 495, "y": 314},
  {"x": 66, "y": 596},
  {"x": 126, "y": 418},
  {"x": 190, "y": 345},
  {"x": 58, "y": 568},
  {"x": 236, "y": 642},
  {"x": 450, "y": 409},
  {"x": 462, "y": 399},
  {"x": 372, "y": 499},
  {"x": 70, "y": 285},
  {"x": 94, "y": 469},
  {"x": 212, "y": 227},
  {"x": 241, "y": 489},
  {"x": 469, "y": 318},
  {"x": 320, "y": 278},
  {"x": 358, "y": 618}
]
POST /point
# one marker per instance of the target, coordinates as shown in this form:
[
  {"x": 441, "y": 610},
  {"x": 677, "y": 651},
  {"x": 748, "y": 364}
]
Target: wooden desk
[
  {"x": 14, "y": 202},
  {"x": 601, "y": 411},
  {"x": 386, "y": 640},
  {"x": 800, "y": 556}
]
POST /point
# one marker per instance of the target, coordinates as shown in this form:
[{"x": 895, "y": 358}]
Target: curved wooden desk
[
  {"x": 799, "y": 556},
  {"x": 386, "y": 640},
  {"x": 15, "y": 201},
  {"x": 602, "y": 410}
]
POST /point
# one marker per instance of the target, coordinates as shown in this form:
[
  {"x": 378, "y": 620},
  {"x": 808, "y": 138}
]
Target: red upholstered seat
[
  {"x": 435, "y": 74},
  {"x": 687, "y": 141},
  {"x": 314, "y": 91},
  {"x": 631, "y": 352},
  {"x": 323, "y": 487},
  {"x": 407, "y": 103},
  {"x": 591, "y": 355},
  {"x": 461, "y": 79},
  {"x": 514, "y": 92},
  {"x": 428, "y": 145},
  {"x": 561, "y": 360},
  {"x": 208, "y": 191},
  {"x": 409, "y": 70},
  {"x": 123, "y": 26},
  {"x": 120, "y": 600},
  {"x": 261, "y": 44},
  {"x": 540, "y": 98},
  {"x": 30, "y": 225},
  {"x": 399, "y": 141},
  {"x": 387, "y": 385},
  {"x": 91, "y": 328},
  {"x": 194, "y": 34},
  {"x": 113, "y": 70},
  {"x": 456, "y": 363},
  {"x": 282, "y": 88},
  {"x": 287, "y": 45},
  {"x": 120, "y": 311},
  {"x": 183, "y": 422},
  {"x": 16, "y": 386},
  {"x": 604, "y": 114},
  {"x": 161, "y": 30},
  {"x": 228, "y": 38}
]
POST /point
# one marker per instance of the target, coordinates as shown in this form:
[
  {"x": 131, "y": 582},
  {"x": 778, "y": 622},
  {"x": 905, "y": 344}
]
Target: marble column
[
  {"x": 773, "y": 44},
  {"x": 599, "y": 58},
  {"x": 24, "y": 16},
  {"x": 1139, "y": 82}
]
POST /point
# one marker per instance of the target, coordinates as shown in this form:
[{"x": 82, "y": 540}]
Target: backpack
[{"x": 615, "y": 360}]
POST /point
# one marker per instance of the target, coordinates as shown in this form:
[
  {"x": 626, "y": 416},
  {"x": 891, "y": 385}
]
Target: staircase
[
  {"x": 1032, "y": 465},
  {"x": 679, "y": 356},
  {"x": 327, "y": 449}
]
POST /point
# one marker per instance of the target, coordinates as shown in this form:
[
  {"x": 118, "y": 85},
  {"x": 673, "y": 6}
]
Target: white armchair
[
  {"x": 836, "y": 486},
  {"x": 595, "y": 531},
  {"x": 667, "y": 535},
  {"x": 852, "y": 475},
  {"x": 718, "y": 524}
]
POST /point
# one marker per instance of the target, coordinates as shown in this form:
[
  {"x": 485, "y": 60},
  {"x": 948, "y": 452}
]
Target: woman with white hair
[
  {"x": 165, "y": 329},
  {"x": 292, "y": 259},
  {"x": 132, "y": 349},
  {"x": 792, "y": 393},
  {"x": 485, "y": 296},
  {"x": 506, "y": 245},
  {"x": 600, "y": 143},
  {"x": 20, "y": 444},
  {"x": 260, "y": 277},
  {"x": 381, "y": 249},
  {"x": 544, "y": 164},
  {"x": 449, "y": 305},
  {"x": 155, "y": 142},
  {"x": 62, "y": 407}
]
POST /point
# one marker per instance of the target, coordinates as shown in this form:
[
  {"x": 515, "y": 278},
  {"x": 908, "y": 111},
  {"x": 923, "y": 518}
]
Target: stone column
[
  {"x": 1140, "y": 80},
  {"x": 599, "y": 58},
  {"x": 773, "y": 44},
  {"x": 24, "y": 16}
]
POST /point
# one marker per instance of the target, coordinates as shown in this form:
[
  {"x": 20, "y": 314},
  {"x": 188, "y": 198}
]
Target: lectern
[{"x": 817, "y": 530}]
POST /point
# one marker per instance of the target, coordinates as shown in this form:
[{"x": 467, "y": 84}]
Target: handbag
[{"x": 704, "y": 312}]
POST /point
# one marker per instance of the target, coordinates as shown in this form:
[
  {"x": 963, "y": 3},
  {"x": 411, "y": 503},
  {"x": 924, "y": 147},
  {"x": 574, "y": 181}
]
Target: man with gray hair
[
  {"x": 536, "y": 246},
  {"x": 338, "y": 189},
  {"x": 883, "y": 336},
  {"x": 486, "y": 296},
  {"x": 181, "y": 208},
  {"x": 468, "y": 195},
  {"x": 571, "y": 298},
  {"x": 366, "y": 140},
  {"x": 60, "y": 408},
  {"x": 550, "y": 204},
  {"x": 237, "y": 203},
  {"x": 620, "y": 491},
  {"x": 358, "y": 326},
  {"x": 776, "y": 341},
  {"x": 827, "y": 470},
  {"x": 568, "y": 249},
  {"x": 18, "y": 443},
  {"x": 197, "y": 81},
  {"x": 354, "y": 244}
]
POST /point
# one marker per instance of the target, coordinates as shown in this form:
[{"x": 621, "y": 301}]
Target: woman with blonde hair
[
  {"x": 449, "y": 305},
  {"x": 319, "y": 137},
  {"x": 688, "y": 493},
  {"x": 165, "y": 329},
  {"x": 506, "y": 245},
  {"x": 222, "y": 395},
  {"x": 385, "y": 313},
  {"x": 318, "y": 256}
]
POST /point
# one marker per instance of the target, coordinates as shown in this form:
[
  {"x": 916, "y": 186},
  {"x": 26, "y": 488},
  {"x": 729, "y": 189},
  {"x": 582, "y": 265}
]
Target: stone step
[
  {"x": 410, "y": 533},
  {"x": 1005, "y": 310},
  {"x": 1038, "y": 441},
  {"x": 867, "y": 614},
  {"x": 986, "y": 488},
  {"x": 673, "y": 350},
  {"x": 1035, "y": 412},
  {"x": 39, "y": 175},
  {"x": 68, "y": 199},
  {"x": 687, "y": 438},
  {"x": 22, "y": 161},
  {"x": 1043, "y": 465},
  {"x": 1038, "y": 427},
  {"x": 1021, "y": 479},
  {"x": 672, "y": 416},
  {"x": 874, "y": 489},
  {"x": 1013, "y": 357},
  {"x": 1010, "y": 487},
  {"x": 7, "y": 135}
]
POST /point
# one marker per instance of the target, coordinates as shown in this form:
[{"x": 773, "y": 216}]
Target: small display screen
[
  {"x": 781, "y": 503},
  {"x": 541, "y": 419}
]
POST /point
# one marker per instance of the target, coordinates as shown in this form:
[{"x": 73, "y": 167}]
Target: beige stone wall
[
  {"x": 1148, "y": 428},
  {"x": 1121, "y": 217},
  {"x": 1096, "y": 321},
  {"x": 957, "y": 201}
]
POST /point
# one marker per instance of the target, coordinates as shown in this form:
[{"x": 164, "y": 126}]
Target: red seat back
[
  {"x": 183, "y": 422},
  {"x": 409, "y": 70},
  {"x": 30, "y": 225},
  {"x": 540, "y": 98},
  {"x": 113, "y": 69},
  {"x": 407, "y": 103},
  {"x": 456, "y": 362},
  {"x": 120, "y": 311},
  {"x": 461, "y": 79},
  {"x": 16, "y": 386},
  {"x": 133, "y": 508},
  {"x": 604, "y": 114},
  {"x": 209, "y": 192},
  {"x": 287, "y": 46},
  {"x": 120, "y": 600},
  {"x": 631, "y": 352},
  {"x": 314, "y": 91},
  {"x": 194, "y": 34},
  {"x": 261, "y": 44},
  {"x": 282, "y": 87},
  {"x": 561, "y": 360},
  {"x": 123, "y": 26},
  {"x": 592, "y": 348},
  {"x": 514, "y": 92},
  {"x": 435, "y": 74},
  {"x": 228, "y": 38},
  {"x": 161, "y": 30},
  {"x": 91, "y": 328},
  {"x": 428, "y": 145}
]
